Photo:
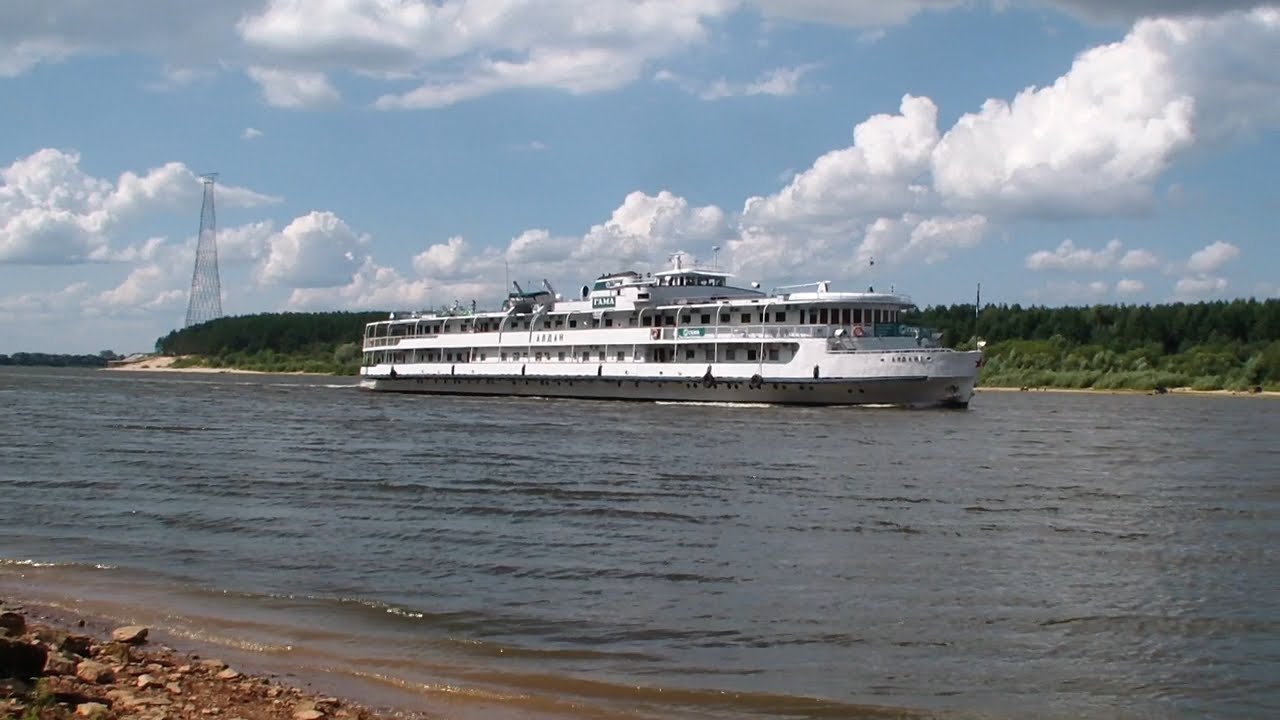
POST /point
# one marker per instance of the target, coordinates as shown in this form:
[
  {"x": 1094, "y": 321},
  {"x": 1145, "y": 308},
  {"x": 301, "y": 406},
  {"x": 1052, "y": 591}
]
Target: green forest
[
  {"x": 57, "y": 360},
  {"x": 274, "y": 342},
  {"x": 1206, "y": 346}
]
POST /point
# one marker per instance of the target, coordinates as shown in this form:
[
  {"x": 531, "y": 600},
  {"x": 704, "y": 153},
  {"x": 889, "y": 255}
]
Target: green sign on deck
[
  {"x": 604, "y": 302},
  {"x": 692, "y": 332}
]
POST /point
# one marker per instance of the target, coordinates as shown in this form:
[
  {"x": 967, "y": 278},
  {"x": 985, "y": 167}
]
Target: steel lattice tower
[{"x": 206, "y": 289}]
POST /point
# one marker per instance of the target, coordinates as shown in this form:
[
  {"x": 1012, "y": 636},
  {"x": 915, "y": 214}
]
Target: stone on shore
[
  {"x": 59, "y": 663},
  {"x": 77, "y": 645},
  {"x": 130, "y": 634},
  {"x": 11, "y": 623},
  {"x": 116, "y": 652},
  {"x": 19, "y": 659},
  {"x": 92, "y": 710},
  {"x": 92, "y": 671}
]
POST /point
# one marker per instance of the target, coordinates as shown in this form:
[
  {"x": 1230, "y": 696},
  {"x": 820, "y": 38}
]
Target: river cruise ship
[{"x": 683, "y": 334}]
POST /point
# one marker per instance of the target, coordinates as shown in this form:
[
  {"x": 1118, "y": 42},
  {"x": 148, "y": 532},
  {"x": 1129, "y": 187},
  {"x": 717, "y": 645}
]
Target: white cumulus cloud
[
  {"x": 1212, "y": 257},
  {"x": 52, "y": 212},
  {"x": 1128, "y": 286},
  {"x": 316, "y": 250},
  {"x": 1200, "y": 287},
  {"x": 1070, "y": 257},
  {"x": 294, "y": 89}
]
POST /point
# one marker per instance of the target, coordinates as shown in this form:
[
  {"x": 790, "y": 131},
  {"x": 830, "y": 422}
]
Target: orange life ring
[
  {"x": 655, "y": 333},
  {"x": 857, "y": 331}
]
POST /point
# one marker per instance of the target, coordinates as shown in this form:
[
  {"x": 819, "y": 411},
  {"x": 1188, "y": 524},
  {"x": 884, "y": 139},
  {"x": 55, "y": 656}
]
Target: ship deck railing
[{"x": 687, "y": 333}]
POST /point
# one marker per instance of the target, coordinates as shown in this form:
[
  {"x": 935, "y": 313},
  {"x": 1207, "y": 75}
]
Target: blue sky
[{"x": 400, "y": 154}]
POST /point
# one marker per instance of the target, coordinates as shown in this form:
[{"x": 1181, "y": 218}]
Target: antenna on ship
[
  {"x": 977, "y": 304},
  {"x": 715, "y": 257}
]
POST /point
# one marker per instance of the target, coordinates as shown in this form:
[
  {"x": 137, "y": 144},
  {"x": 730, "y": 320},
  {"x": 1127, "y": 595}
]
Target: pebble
[
  {"x": 92, "y": 710},
  {"x": 130, "y": 634},
  {"x": 94, "y": 672}
]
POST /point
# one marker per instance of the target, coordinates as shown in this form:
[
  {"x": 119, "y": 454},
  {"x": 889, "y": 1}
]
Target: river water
[{"x": 1039, "y": 555}]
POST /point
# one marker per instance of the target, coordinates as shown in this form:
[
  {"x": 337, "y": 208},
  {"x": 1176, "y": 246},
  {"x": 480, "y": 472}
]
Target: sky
[{"x": 404, "y": 154}]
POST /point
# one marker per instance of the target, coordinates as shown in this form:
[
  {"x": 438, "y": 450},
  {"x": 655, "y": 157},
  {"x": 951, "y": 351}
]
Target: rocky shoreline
[{"x": 49, "y": 671}]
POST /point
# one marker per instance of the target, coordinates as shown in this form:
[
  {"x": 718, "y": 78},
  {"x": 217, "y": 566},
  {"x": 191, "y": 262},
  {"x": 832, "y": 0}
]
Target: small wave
[{"x": 14, "y": 562}]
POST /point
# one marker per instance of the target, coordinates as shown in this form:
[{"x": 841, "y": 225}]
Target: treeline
[
  {"x": 57, "y": 360},
  {"x": 327, "y": 342},
  {"x": 1209, "y": 346}
]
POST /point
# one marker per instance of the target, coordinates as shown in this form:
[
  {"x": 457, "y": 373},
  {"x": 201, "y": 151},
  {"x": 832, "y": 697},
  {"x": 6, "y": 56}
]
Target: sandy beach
[{"x": 165, "y": 363}]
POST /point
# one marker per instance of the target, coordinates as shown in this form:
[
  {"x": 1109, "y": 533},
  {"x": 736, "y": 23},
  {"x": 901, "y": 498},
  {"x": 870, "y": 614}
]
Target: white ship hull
[
  {"x": 902, "y": 392},
  {"x": 919, "y": 391}
]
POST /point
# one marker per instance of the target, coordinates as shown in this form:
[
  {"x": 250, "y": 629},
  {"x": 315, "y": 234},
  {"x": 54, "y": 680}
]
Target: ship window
[
  {"x": 822, "y": 316},
  {"x": 752, "y": 355},
  {"x": 537, "y": 356},
  {"x": 668, "y": 320},
  {"x": 724, "y": 317},
  {"x": 585, "y": 356},
  {"x": 780, "y": 316},
  {"x": 686, "y": 319},
  {"x": 608, "y": 322},
  {"x": 706, "y": 318},
  {"x": 730, "y": 354},
  {"x": 573, "y": 323},
  {"x": 773, "y": 354},
  {"x": 483, "y": 356},
  {"x": 561, "y": 358},
  {"x": 560, "y": 323},
  {"x": 504, "y": 357},
  {"x": 631, "y": 321},
  {"x": 688, "y": 354},
  {"x": 746, "y": 318},
  {"x": 621, "y": 355},
  {"x": 600, "y": 356},
  {"x": 546, "y": 324},
  {"x": 813, "y": 317},
  {"x": 646, "y": 321},
  {"x": 844, "y": 316}
]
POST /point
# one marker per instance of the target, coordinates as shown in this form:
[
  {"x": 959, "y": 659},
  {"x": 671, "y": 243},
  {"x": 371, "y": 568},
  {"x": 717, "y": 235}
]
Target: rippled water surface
[{"x": 1047, "y": 555}]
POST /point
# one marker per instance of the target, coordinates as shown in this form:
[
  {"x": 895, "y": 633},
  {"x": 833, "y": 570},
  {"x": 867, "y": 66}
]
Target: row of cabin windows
[
  {"x": 813, "y": 316},
  {"x": 731, "y": 354}
]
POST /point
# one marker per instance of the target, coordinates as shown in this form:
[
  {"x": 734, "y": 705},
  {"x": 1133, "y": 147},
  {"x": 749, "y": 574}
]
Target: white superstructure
[{"x": 682, "y": 334}]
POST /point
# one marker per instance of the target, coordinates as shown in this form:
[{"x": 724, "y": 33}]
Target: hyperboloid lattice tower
[{"x": 206, "y": 289}]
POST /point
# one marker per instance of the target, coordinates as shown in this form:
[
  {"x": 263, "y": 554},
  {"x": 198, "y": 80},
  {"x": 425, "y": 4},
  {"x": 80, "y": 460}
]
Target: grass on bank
[{"x": 343, "y": 360}]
